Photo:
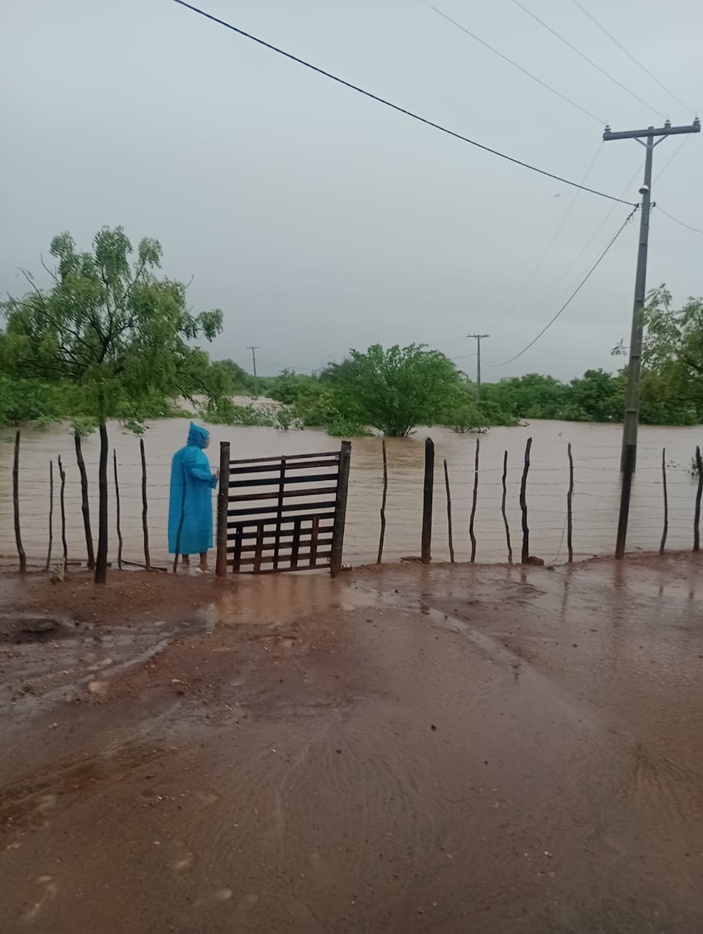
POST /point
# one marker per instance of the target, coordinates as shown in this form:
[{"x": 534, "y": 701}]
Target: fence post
[
  {"x": 523, "y": 503},
  {"x": 62, "y": 496},
  {"x": 16, "y": 504},
  {"x": 51, "y": 514},
  {"x": 428, "y": 491},
  {"x": 450, "y": 532},
  {"x": 118, "y": 506},
  {"x": 502, "y": 507},
  {"x": 340, "y": 508},
  {"x": 145, "y": 506},
  {"x": 666, "y": 504},
  {"x": 699, "y": 493},
  {"x": 222, "y": 504},
  {"x": 474, "y": 502},
  {"x": 384, "y": 499},
  {"x": 570, "y": 507}
]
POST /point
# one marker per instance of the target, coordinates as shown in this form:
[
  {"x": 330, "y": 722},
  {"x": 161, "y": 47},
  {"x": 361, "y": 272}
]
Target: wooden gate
[{"x": 282, "y": 513}]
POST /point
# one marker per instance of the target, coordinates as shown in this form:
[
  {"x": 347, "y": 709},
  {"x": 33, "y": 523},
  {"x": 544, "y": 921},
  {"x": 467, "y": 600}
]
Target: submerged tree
[
  {"x": 397, "y": 389},
  {"x": 117, "y": 332}
]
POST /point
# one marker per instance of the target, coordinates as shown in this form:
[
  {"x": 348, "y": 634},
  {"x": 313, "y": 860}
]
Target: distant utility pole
[
  {"x": 253, "y": 360},
  {"x": 479, "y": 338},
  {"x": 632, "y": 406}
]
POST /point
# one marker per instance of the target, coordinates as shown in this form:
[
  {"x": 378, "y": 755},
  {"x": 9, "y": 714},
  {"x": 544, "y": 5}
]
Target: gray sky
[{"x": 319, "y": 220}]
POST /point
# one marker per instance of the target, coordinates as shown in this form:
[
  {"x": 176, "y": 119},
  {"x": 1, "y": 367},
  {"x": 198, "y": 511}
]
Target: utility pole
[
  {"x": 478, "y": 338},
  {"x": 253, "y": 360},
  {"x": 632, "y": 406}
]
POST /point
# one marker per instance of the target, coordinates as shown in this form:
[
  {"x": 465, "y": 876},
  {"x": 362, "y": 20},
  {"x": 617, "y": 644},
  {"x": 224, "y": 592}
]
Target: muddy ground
[{"x": 453, "y": 750}]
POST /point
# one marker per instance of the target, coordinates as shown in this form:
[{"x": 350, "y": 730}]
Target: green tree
[
  {"x": 597, "y": 396},
  {"x": 672, "y": 358},
  {"x": 528, "y": 396},
  {"x": 397, "y": 389},
  {"x": 115, "y": 330}
]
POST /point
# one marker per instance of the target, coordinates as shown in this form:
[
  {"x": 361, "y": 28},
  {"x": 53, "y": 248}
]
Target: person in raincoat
[{"x": 190, "y": 504}]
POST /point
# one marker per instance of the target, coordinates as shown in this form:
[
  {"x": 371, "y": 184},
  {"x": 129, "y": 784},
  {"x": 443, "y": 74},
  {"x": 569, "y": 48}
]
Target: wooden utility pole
[
  {"x": 478, "y": 338},
  {"x": 629, "y": 437},
  {"x": 253, "y": 360}
]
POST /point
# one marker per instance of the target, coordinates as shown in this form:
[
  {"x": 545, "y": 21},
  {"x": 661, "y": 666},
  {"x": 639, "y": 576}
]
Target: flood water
[{"x": 596, "y": 452}]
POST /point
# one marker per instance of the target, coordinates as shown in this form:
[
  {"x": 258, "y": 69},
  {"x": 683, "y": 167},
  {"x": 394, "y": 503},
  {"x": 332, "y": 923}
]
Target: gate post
[
  {"x": 340, "y": 508},
  {"x": 222, "y": 504}
]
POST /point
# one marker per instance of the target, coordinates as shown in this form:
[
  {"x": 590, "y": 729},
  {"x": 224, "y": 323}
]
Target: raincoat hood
[{"x": 197, "y": 436}]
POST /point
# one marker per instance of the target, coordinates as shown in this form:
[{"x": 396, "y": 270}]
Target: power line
[
  {"x": 677, "y": 221},
  {"x": 675, "y": 154},
  {"x": 586, "y": 58},
  {"x": 511, "y": 62},
  {"x": 573, "y": 294},
  {"x": 583, "y": 250},
  {"x": 396, "y": 107},
  {"x": 285, "y": 366},
  {"x": 631, "y": 56},
  {"x": 556, "y": 233}
]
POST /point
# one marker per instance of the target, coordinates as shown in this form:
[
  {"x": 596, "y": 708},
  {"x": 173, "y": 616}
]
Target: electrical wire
[
  {"x": 396, "y": 107},
  {"x": 677, "y": 221},
  {"x": 560, "y": 227},
  {"x": 675, "y": 154},
  {"x": 573, "y": 294},
  {"x": 505, "y": 58},
  {"x": 285, "y": 366},
  {"x": 586, "y": 58},
  {"x": 585, "y": 247},
  {"x": 631, "y": 56}
]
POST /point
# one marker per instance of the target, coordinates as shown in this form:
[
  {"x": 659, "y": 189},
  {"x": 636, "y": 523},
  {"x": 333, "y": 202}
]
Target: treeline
[
  {"x": 389, "y": 390},
  {"x": 394, "y": 390}
]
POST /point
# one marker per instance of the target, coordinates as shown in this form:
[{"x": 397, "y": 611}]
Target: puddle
[{"x": 272, "y": 600}]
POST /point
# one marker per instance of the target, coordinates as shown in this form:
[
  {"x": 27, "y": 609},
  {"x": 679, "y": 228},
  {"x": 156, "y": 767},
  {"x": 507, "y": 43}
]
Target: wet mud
[{"x": 405, "y": 749}]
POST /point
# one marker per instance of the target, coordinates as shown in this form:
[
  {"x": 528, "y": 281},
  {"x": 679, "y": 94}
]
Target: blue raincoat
[{"x": 190, "y": 505}]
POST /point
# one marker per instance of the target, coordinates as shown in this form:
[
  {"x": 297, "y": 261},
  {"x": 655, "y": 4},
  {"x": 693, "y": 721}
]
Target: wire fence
[{"x": 594, "y": 503}]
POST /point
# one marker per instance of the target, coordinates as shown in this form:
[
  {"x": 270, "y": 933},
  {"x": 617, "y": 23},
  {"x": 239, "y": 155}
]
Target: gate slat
[{"x": 288, "y": 494}]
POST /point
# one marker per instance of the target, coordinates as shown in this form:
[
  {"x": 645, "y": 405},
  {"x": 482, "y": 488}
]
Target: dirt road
[{"x": 446, "y": 750}]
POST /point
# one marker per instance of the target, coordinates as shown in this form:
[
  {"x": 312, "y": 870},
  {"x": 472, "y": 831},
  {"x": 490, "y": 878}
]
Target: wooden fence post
[
  {"x": 120, "y": 542},
  {"x": 450, "y": 533},
  {"x": 85, "y": 502},
  {"x": 502, "y": 507},
  {"x": 384, "y": 500},
  {"x": 51, "y": 514},
  {"x": 62, "y": 495},
  {"x": 145, "y": 506},
  {"x": 340, "y": 508},
  {"x": 428, "y": 491},
  {"x": 523, "y": 503},
  {"x": 222, "y": 505},
  {"x": 699, "y": 493},
  {"x": 474, "y": 502},
  {"x": 569, "y": 507},
  {"x": 16, "y": 504},
  {"x": 666, "y": 504}
]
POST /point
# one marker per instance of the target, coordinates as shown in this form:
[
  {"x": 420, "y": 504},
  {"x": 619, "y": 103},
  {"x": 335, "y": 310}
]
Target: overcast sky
[{"x": 319, "y": 220}]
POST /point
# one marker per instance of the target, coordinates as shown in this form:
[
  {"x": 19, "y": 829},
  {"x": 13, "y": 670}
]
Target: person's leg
[
  {"x": 186, "y": 560},
  {"x": 203, "y": 561}
]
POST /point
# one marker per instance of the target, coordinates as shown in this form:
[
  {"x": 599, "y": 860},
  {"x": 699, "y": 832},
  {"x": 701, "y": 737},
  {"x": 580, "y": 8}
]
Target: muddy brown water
[
  {"x": 596, "y": 451},
  {"x": 489, "y": 750}
]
